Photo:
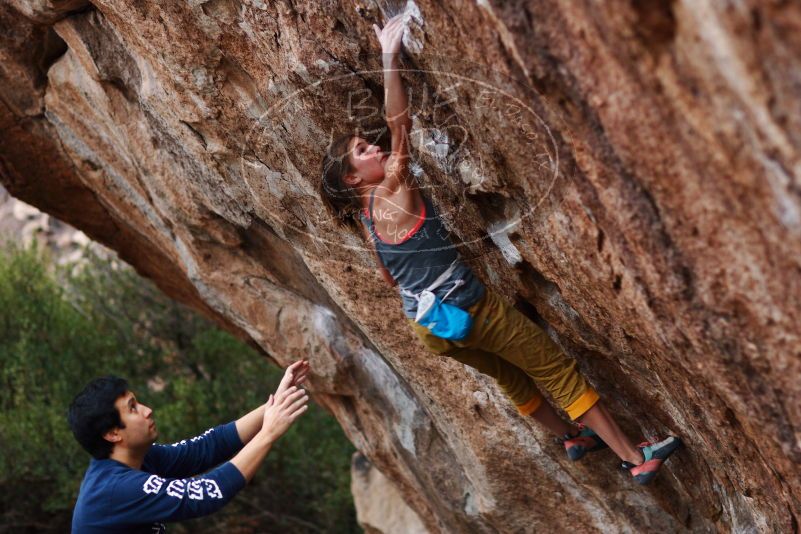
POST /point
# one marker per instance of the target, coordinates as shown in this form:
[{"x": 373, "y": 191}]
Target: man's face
[{"x": 140, "y": 427}]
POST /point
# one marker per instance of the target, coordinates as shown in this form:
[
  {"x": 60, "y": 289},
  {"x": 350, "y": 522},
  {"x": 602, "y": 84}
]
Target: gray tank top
[{"x": 421, "y": 256}]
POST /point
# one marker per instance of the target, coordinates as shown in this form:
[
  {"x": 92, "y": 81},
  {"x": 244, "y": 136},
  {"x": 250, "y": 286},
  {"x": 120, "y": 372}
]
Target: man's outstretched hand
[
  {"x": 281, "y": 411},
  {"x": 288, "y": 402},
  {"x": 294, "y": 375}
]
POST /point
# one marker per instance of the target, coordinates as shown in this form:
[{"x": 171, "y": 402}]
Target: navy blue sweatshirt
[{"x": 116, "y": 498}]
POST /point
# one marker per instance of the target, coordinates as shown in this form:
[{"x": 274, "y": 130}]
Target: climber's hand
[{"x": 390, "y": 37}]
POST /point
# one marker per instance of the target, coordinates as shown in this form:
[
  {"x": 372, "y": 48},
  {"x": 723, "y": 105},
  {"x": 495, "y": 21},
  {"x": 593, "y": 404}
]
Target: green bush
[{"x": 59, "y": 328}]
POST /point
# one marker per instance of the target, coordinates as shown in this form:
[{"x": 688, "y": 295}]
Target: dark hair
[
  {"x": 340, "y": 200},
  {"x": 92, "y": 414}
]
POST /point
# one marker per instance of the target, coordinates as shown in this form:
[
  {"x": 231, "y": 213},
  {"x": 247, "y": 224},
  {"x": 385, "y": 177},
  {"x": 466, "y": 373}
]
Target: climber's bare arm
[
  {"x": 398, "y": 192},
  {"x": 397, "y": 107}
]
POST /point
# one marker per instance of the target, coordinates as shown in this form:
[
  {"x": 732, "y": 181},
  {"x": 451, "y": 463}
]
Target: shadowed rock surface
[
  {"x": 380, "y": 509},
  {"x": 629, "y": 172}
]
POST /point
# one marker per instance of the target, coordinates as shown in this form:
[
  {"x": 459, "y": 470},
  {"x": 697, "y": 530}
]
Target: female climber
[{"x": 449, "y": 308}]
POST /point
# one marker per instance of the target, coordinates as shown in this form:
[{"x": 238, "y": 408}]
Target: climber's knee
[
  {"x": 582, "y": 404},
  {"x": 530, "y": 406}
]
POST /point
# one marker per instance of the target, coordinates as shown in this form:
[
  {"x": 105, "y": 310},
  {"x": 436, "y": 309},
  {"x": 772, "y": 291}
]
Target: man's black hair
[{"x": 92, "y": 414}]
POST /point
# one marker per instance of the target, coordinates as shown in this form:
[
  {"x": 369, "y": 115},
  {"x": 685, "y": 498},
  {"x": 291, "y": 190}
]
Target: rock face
[
  {"x": 380, "y": 508},
  {"x": 628, "y": 171}
]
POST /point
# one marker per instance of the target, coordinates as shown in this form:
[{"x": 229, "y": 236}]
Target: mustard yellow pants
[{"x": 507, "y": 346}]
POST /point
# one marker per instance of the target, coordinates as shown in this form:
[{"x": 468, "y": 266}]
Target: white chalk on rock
[
  {"x": 499, "y": 233},
  {"x": 413, "y": 24}
]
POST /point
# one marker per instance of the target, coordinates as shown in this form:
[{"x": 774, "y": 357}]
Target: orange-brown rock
[{"x": 629, "y": 171}]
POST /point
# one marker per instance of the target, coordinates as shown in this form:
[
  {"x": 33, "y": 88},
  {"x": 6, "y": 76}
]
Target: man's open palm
[{"x": 294, "y": 375}]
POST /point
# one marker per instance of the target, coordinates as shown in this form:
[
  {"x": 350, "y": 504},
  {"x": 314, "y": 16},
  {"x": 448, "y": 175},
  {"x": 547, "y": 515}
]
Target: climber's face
[{"x": 367, "y": 161}]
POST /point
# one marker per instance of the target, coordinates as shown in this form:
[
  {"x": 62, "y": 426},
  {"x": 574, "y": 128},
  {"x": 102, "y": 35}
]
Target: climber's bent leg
[
  {"x": 501, "y": 329},
  {"x": 516, "y": 384},
  {"x": 513, "y": 381}
]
